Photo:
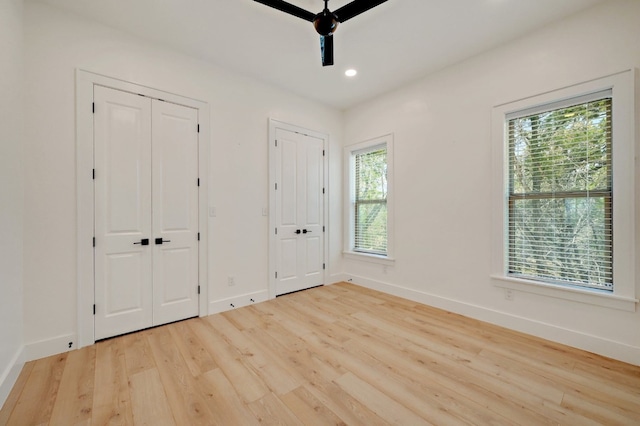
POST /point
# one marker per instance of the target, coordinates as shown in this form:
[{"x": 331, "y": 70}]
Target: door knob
[
  {"x": 160, "y": 241},
  {"x": 297, "y": 231},
  {"x": 143, "y": 242},
  {"x": 304, "y": 231}
]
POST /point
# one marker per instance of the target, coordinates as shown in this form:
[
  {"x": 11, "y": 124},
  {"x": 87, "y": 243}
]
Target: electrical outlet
[
  {"x": 508, "y": 294},
  {"x": 231, "y": 281}
]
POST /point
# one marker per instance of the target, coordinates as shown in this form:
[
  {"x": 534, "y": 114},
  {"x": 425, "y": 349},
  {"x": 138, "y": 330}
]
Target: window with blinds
[
  {"x": 370, "y": 201},
  {"x": 560, "y": 193}
]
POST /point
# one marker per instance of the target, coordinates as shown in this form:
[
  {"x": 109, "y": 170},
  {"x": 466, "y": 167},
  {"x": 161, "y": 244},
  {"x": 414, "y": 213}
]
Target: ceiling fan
[{"x": 325, "y": 22}]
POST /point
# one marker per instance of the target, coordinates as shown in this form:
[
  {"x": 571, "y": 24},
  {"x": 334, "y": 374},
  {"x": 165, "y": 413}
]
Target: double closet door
[
  {"x": 146, "y": 212},
  {"x": 299, "y": 173}
]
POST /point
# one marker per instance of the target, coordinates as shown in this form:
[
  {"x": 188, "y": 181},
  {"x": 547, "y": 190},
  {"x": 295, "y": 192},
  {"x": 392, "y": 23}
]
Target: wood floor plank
[
  {"x": 74, "y": 401},
  {"x": 39, "y": 395},
  {"x": 137, "y": 352},
  {"x": 187, "y": 404},
  {"x": 309, "y": 409},
  {"x": 149, "y": 401},
  {"x": 16, "y": 391},
  {"x": 248, "y": 385},
  {"x": 270, "y": 410},
  {"x": 281, "y": 380},
  {"x": 225, "y": 403},
  {"x": 111, "y": 400},
  {"x": 195, "y": 355},
  {"x": 339, "y": 354},
  {"x": 606, "y": 414},
  {"x": 378, "y": 402},
  {"x": 436, "y": 391}
]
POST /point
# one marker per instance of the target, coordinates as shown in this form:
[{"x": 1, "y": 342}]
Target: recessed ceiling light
[{"x": 350, "y": 72}]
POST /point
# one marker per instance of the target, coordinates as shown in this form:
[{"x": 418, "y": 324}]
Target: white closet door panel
[
  {"x": 314, "y": 177},
  {"x": 313, "y": 259},
  {"x": 289, "y": 263},
  {"x": 123, "y": 274},
  {"x": 288, "y": 182},
  {"x": 175, "y": 212}
]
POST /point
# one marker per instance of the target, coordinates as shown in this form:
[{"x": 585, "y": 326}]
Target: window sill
[
  {"x": 367, "y": 257},
  {"x": 593, "y": 297}
]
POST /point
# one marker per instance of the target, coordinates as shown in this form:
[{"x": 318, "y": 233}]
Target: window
[
  {"x": 564, "y": 201},
  {"x": 369, "y": 170},
  {"x": 370, "y": 201},
  {"x": 560, "y": 193}
]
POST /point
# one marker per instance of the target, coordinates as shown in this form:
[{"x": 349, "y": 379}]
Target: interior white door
[
  {"x": 300, "y": 211},
  {"x": 175, "y": 212},
  {"x": 146, "y": 212},
  {"x": 123, "y": 268}
]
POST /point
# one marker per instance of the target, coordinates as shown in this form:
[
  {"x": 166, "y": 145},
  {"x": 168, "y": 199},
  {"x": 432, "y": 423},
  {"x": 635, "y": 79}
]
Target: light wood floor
[{"x": 339, "y": 354}]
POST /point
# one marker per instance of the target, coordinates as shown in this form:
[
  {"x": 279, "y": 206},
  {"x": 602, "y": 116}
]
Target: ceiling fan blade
[
  {"x": 289, "y": 8},
  {"x": 326, "y": 50},
  {"x": 355, "y": 8}
]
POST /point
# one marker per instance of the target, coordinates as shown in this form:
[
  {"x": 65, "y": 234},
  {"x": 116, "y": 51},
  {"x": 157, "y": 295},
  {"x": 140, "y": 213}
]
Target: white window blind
[
  {"x": 370, "y": 199},
  {"x": 560, "y": 193}
]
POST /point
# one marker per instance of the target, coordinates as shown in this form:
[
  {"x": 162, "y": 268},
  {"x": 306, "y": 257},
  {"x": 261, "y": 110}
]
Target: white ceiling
[{"x": 390, "y": 45}]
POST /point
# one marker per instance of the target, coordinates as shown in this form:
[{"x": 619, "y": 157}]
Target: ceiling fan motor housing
[{"x": 325, "y": 22}]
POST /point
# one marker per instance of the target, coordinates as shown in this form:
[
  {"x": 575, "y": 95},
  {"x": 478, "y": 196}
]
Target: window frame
[
  {"x": 350, "y": 153},
  {"x": 624, "y": 211}
]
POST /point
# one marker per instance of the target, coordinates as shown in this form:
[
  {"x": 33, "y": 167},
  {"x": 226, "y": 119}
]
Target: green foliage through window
[
  {"x": 560, "y": 195},
  {"x": 371, "y": 201}
]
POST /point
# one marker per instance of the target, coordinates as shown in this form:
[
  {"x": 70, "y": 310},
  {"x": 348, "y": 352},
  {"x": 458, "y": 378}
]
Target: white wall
[
  {"x": 56, "y": 44},
  {"x": 11, "y": 189},
  {"x": 443, "y": 218}
]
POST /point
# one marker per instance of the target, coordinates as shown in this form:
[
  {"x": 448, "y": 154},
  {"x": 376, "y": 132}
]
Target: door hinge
[
  {"x": 93, "y": 174},
  {"x": 323, "y": 228},
  {"x": 198, "y": 128},
  {"x": 94, "y": 309},
  {"x": 276, "y": 142},
  {"x": 198, "y": 236},
  {"x": 324, "y": 266},
  {"x": 323, "y": 152},
  {"x": 93, "y": 107},
  {"x": 323, "y": 190},
  {"x": 276, "y": 275},
  {"x": 198, "y": 289},
  {"x": 198, "y": 181},
  {"x": 276, "y": 186},
  {"x": 276, "y": 231},
  {"x": 94, "y": 241}
]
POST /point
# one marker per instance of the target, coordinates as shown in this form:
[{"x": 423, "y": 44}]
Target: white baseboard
[
  {"x": 48, "y": 347},
  {"x": 223, "y": 305},
  {"x": 595, "y": 344},
  {"x": 336, "y": 278},
  {"x": 10, "y": 375}
]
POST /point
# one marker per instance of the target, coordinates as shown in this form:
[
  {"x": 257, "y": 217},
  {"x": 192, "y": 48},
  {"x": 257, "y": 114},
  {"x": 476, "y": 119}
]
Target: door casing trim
[
  {"x": 273, "y": 125},
  {"x": 85, "y": 81}
]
